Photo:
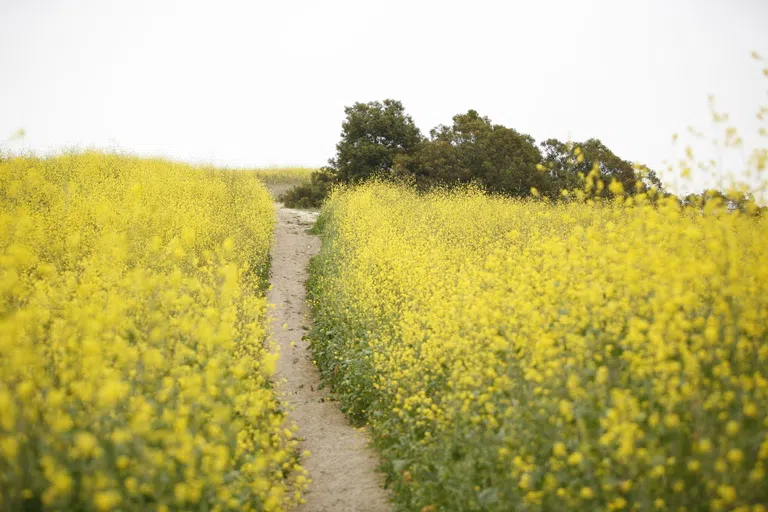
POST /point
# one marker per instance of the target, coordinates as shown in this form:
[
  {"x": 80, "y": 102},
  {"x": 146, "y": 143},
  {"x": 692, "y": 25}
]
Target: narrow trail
[{"x": 341, "y": 466}]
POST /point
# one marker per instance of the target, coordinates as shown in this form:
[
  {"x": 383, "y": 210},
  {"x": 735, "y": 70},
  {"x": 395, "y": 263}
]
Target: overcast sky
[{"x": 264, "y": 83}]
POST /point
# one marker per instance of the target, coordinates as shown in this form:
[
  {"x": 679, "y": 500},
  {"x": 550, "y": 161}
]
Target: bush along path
[{"x": 341, "y": 465}]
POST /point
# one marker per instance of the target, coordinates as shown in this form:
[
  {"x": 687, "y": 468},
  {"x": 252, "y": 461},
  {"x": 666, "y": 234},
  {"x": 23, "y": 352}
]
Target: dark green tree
[
  {"x": 312, "y": 194},
  {"x": 732, "y": 200},
  {"x": 564, "y": 162},
  {"x": 372, "y": 136},
  {"x": 474, "y": 150},
  {"x": 557, "y": 163},
  {"x": 380, "y": 139}
]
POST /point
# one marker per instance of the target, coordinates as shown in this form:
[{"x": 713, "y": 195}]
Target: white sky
[{"x": 264, "y": 83}]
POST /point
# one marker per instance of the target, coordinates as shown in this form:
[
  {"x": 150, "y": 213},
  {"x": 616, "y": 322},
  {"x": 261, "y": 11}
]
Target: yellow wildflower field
[
  {"x": 528, "y": 355},
  {"x": 133, "y": 374}
]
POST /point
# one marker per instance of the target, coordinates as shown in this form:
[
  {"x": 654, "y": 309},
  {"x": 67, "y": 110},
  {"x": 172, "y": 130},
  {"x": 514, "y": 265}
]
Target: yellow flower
[
  {"x": 107, "y": 500},
  {"x": 9, "y": 446},
  {"x": 129, "y": 288},
  {"x": 575, "y": 459},
  {"x": 85, "y": 443},
  {"x": 618, "y": 503},
  {"x": 705, "y": 446},
  {"x": 727, "y": 493},
  {"x": 488, "y": 321},
  {"x": 735, "y": 455}
]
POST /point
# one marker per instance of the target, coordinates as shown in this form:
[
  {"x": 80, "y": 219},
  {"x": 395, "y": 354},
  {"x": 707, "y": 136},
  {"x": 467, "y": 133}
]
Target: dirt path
[{"x": 342, "y": 467}]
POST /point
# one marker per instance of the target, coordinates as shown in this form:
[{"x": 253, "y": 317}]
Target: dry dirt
[{"x": 341, "y": 465}]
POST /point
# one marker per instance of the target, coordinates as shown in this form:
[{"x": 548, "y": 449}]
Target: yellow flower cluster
[
  {"x": 133, "y": 374},
  {"x": 525, "y": 355}
]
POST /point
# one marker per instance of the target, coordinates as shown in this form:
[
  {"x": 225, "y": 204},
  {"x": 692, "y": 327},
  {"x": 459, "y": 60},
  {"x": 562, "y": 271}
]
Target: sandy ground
[{"x": 341, "y": 465}]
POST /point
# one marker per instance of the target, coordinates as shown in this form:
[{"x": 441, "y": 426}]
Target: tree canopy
[
  {"x": 566, "y": 161},
  {"x": 474, "y": 150},
  {"x": 372, "y": 136},
  {"x": 380, "y": 139}
]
